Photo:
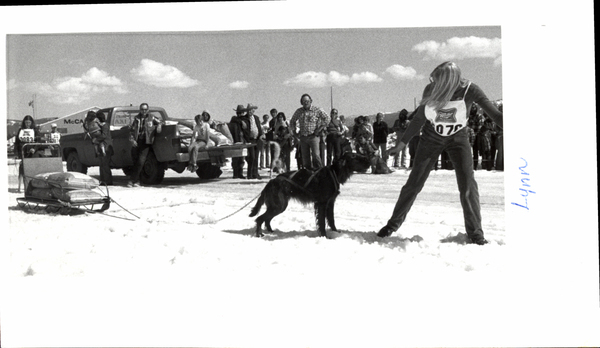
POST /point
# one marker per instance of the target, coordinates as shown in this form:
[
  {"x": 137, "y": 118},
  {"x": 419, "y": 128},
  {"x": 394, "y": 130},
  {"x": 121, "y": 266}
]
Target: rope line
[
  {"x": 237, "y": 211},
  {"x": 117, "y": 203},
  {"x": 113, "y": 216}
]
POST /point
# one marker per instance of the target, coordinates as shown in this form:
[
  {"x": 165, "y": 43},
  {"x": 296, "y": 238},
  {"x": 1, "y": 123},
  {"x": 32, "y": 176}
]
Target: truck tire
[
  {"x": 74, "y": 164},
  {"x": 208, "y": 171},
  {"x": 153, "y": 171}
]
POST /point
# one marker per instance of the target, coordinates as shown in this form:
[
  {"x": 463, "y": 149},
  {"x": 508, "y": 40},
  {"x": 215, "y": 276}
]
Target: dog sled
[{"x": 48, "y": 187}]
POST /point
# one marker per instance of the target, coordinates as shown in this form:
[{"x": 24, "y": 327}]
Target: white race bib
[
  {"x": 55, "y": 137},
  {"x": 450, "y": 118},
  {"x": 27, "y": 135}
]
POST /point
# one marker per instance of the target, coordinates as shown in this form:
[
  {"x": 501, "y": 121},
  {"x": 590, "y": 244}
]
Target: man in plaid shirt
[{"x": 306, "y": 125}]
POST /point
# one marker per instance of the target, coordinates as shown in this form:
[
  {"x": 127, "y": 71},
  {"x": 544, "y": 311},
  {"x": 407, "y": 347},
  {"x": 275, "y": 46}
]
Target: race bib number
[
  {"x": 447, "y": 129},
  {"x": 446, "y": 121},
  {"x": 27, "y": 135},
  {"x": 55, "y": 137}
]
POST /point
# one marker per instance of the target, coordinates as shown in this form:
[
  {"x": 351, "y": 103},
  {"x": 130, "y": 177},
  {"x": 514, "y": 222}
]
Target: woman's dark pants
[
  {"x": 430, "y": 147},
  {"x": 105, "y": 172},
  {"x": 139, "y": 154},
  {"x": 334, "y": 147}
]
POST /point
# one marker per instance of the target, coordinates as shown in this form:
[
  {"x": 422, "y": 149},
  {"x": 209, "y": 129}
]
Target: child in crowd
[
  {"x": 93, "y": 128},
  {"x": 200, "y": 140}
]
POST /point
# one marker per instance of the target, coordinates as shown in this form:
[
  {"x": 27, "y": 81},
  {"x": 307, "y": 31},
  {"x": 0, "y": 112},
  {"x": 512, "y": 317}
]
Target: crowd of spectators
[
  {"x": 316, "y": 138},
  {"x": 374, "y": 139}
]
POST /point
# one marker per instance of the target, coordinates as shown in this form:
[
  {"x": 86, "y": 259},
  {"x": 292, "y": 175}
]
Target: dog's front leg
[
  {"x": 330, "y": 219},
  {"x": 321, "y": 213}
]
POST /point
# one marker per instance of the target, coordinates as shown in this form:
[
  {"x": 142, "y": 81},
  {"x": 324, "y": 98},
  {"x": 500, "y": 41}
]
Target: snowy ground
[{"x": 186, "y": 274}]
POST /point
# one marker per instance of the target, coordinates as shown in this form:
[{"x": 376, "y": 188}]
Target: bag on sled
[
  {"x": 48, "y": 187},
  {"x": 64, "y": 180}
]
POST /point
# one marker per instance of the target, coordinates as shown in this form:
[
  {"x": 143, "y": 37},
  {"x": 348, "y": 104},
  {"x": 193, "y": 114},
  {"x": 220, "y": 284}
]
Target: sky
[{"x": 361, "y": 70}]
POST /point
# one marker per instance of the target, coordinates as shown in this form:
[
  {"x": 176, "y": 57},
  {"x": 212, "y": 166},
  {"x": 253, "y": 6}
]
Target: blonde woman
[
  {"x": 200, "y": 140},
  {"x": 443, "y": 114}
]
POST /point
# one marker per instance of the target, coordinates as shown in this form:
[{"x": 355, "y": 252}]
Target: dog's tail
[{"x": 259, "y": 203}]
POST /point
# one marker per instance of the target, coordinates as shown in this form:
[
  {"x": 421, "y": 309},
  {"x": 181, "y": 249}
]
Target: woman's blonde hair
[{"x": 445, "y": 79}]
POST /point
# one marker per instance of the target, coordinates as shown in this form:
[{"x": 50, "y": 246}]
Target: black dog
[{"x": 320, "y": 187}]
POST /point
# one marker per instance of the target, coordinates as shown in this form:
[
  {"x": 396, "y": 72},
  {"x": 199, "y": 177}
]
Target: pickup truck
[{"x": 169, "y": 151}]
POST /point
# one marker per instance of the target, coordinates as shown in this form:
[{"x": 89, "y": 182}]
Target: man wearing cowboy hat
[
  {"x": 252, "y": 133},
  {"x": 237, "y": 133}
]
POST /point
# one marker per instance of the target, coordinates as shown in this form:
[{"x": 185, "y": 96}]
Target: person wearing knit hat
[{"x": 399, "y": 127}]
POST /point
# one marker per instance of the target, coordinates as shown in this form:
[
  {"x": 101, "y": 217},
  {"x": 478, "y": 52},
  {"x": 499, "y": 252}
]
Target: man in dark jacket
[
  {"x": 485, "y": 143},
  {"x": 380, "y": 135},
  {"x": 142, "y": 131},
  {"x": 253, "y": 131},
  {"x": 235, "y": 128},
  {"x": 105, "y": 173}
]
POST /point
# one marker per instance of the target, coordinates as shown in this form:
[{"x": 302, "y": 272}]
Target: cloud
[
  {"x": 160, "y": 75},
  {"x": 403, "y": 73},
  {"x": 337, "y": 79},
  {"x": 95, "y": 76},
  {"x": 239, "y": 84},
  {"x": 74, "y": 90},
  {"x": 321, "y": 79},
  {"x": 461, "y": 48},
  {"x": 365, "y": 77},
  {"x": 308, "y": 79}
]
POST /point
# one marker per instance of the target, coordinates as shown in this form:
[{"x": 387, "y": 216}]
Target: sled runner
[{"x": 48, "y": 187}]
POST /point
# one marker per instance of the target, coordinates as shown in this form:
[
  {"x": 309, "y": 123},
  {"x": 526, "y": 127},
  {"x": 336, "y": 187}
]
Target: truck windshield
[{"x": 123, "y": 118}]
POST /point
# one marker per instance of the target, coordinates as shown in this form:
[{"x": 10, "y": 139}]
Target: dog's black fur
[{"x": 320, "y": 187}]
